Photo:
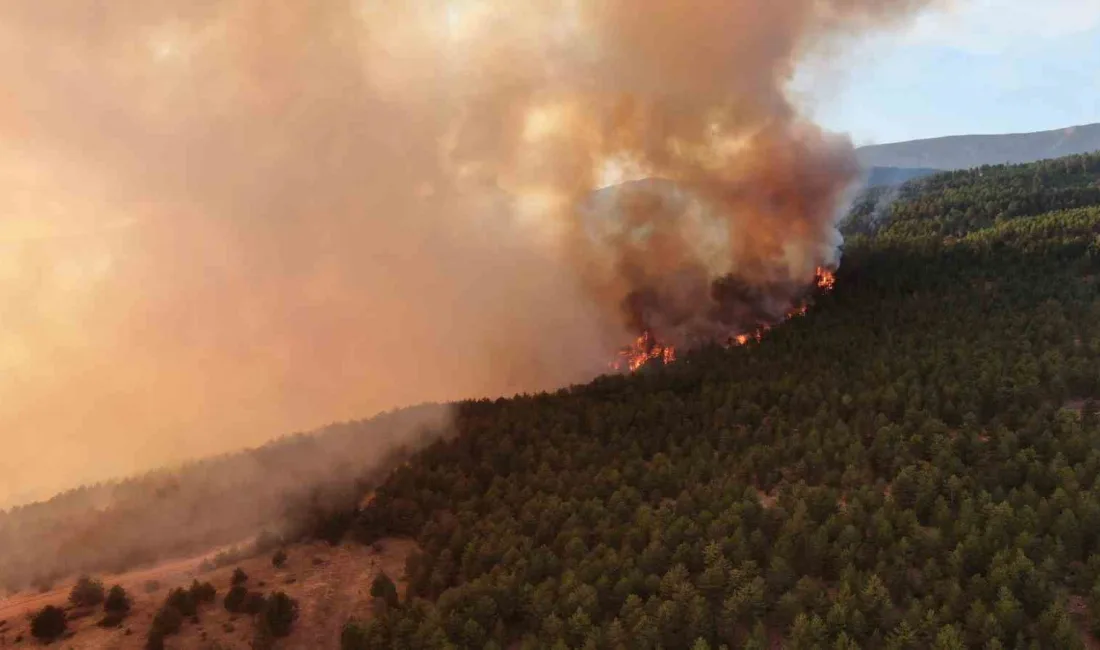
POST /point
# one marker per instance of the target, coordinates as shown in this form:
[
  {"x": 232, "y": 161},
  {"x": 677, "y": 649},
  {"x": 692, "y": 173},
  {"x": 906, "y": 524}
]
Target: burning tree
[{"x": 742, "y": 313}]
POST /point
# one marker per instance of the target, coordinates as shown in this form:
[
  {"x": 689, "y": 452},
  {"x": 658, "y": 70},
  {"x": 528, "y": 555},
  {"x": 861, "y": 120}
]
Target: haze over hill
[
  {"x": 966, "y": 151},
  {"x": 224, "y": 220},
  {"x": 912, "y": 463}
]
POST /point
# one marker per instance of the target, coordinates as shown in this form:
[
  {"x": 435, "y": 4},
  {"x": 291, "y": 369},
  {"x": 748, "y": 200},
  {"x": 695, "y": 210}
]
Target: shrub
[
  {"x": 234, "y": 600},
  {"x": 155, "y": 641},
  {"x": 87, "y": 592},
  {"x": 254, "y": 603},
  {"x": 279, "y": 559},
  {"x": 117, "y": 602},
  {"x": 354, "y": 636},
  {"x": 203, "y": 592},
  {"x": 151, "y": 586},
  {"x": 168, "y": 621},
  {"x": 182, "y": 600},
  {"x": 279, "y": 613},
  {"x": 239, "y": 577},
  {"x": 112, "y": 619},
  {"x": 48, "y": 624},
  {"x": 383, "y": 588}
]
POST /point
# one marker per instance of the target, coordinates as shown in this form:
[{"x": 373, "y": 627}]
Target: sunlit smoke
[{"x": 227, "y": 220}]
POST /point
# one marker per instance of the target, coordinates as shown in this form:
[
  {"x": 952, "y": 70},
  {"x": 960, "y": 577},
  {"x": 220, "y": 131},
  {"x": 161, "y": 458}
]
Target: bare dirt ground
[{"x": 331, "y": 585}]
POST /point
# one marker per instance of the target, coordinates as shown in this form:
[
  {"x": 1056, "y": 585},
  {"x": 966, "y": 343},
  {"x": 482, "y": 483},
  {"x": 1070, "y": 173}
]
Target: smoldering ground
[{"x": 225, "y": 220}]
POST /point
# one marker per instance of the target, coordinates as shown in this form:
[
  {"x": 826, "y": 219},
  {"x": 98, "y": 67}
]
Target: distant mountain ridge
[{"x": 967, "y": 151}]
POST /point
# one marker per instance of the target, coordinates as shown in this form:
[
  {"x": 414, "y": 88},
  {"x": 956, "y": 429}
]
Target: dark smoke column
[{"x": 707, "y": 203}]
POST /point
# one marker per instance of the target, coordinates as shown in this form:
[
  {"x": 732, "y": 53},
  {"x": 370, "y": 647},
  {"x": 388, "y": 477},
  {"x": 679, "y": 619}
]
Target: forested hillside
[
  {"x": 912, "y": 464},
  {"x": 953, "y": 204}
]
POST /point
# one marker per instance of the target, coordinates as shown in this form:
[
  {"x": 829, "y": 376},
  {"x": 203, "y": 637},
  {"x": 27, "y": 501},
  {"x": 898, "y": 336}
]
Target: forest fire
[
  {"x": 647, "y": 348},
  {"x": 642, "y": 351}
]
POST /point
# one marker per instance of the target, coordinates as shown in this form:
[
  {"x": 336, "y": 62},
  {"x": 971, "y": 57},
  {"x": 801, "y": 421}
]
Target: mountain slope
[
  {"x": 279, "y": 487},
  {"x": 330, "y": 583},
  {"x": 966, "y": 151},
  {"x": 912, "y": 464}
]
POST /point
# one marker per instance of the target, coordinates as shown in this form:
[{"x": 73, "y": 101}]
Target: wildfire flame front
[
  {"x": 642, "y": 351},
  {"x": 646, "y": 348}
]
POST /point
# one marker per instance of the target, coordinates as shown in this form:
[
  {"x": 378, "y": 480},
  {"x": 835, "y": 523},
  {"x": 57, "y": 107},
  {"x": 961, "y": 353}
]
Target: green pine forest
[{"x": 912, "y": 464}]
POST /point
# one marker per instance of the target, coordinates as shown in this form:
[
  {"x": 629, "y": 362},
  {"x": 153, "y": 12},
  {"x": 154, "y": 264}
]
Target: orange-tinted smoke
[{"x": 225, "y": 220}]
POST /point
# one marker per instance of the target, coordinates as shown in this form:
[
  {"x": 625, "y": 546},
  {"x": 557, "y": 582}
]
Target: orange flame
[
  {"x": 645, "y": 348},
  {"x": 642, "y": 351}
]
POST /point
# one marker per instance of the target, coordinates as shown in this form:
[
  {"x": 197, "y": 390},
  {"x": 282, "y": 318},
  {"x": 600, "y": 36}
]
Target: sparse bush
[
  {"x": 168, "y": 620},
  {"x": 234, "y": 600},
  {"x": 279, "y": 614},
  {"x": 203, "y": 592},
  {"x": 239, "y": 577},
  {"x": 279, "y": 559},
  {"x": 117, "y": 602},
  {"x": 383, "y": 588},
  {"x": 48, "y": 624},
  {"x": 155, "y": 641},
  {"x": 182, "y": 600},
  {"x": 87, "y": 592},
  {"x": 262, "y": 639},
  {"x": 254, "y": 603},
  {"x": 353, "y": 636},
  {"x": 112, "y": 619},
  {"x": 151, "y": 586}
]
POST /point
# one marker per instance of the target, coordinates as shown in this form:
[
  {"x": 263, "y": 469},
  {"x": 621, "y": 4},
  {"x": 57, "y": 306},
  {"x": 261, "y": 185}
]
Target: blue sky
[{"x": 978, "y": 66}]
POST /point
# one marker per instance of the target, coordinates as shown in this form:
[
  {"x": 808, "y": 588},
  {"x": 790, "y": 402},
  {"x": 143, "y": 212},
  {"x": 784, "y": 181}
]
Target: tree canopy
[{"x": 911, "y": 464}]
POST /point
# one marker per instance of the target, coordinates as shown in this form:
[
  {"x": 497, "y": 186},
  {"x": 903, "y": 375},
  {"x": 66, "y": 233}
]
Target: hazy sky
[{"x": 982, "y": 66}]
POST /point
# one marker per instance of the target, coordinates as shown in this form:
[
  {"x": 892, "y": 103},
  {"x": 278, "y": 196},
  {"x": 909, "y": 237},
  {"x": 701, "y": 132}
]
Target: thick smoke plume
[{"x": 224, "y": 220}]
